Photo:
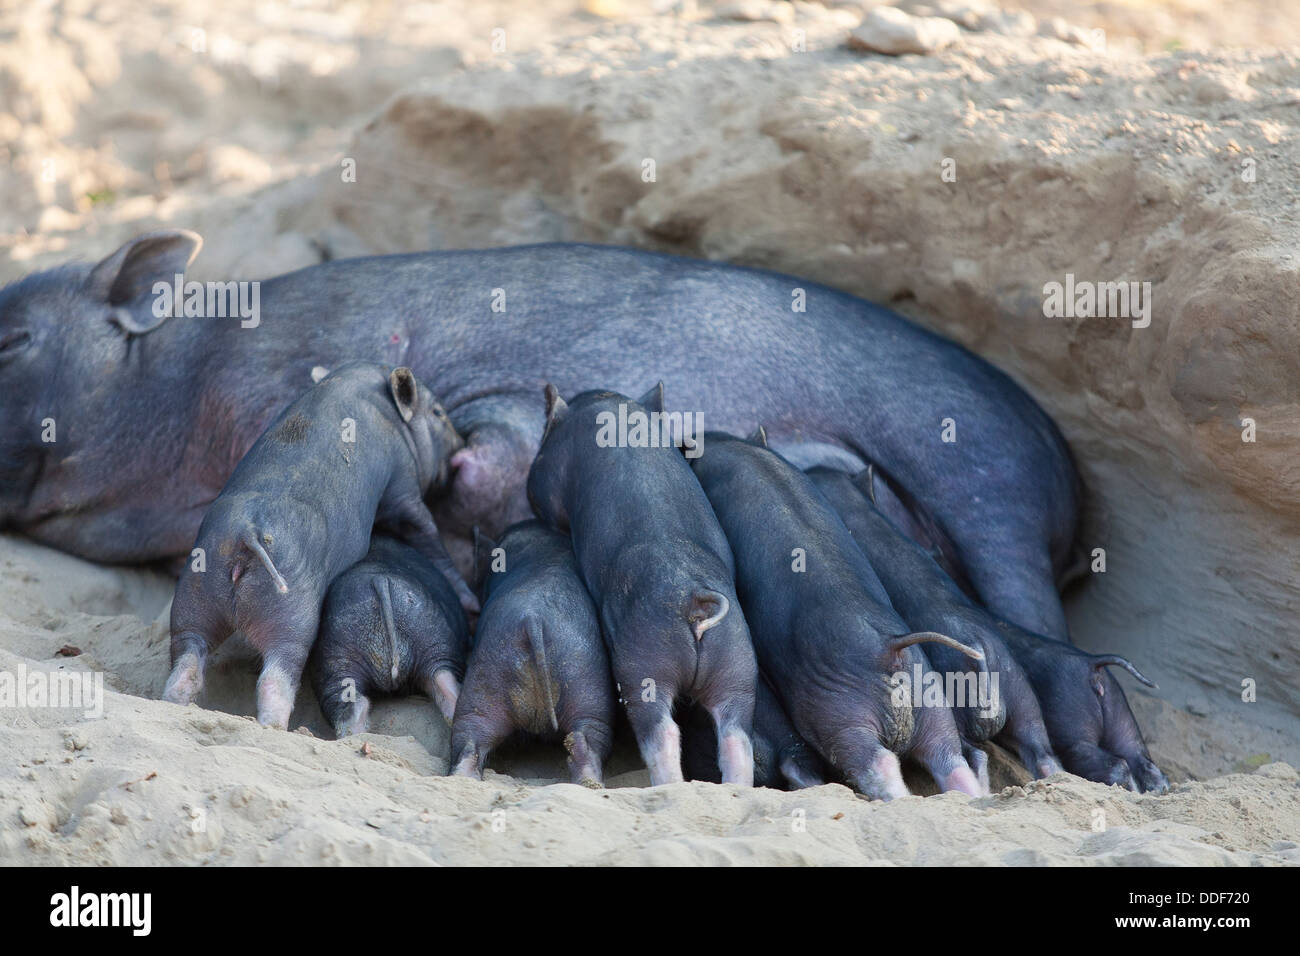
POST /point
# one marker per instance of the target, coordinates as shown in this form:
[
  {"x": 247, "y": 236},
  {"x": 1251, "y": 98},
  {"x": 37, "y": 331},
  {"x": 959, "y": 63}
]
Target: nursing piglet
[
  {"x": 538, "y": 662},
  {"x": 357, "y": 450},
  {"x": 391, "y": 624},
  {"x": 659, "y": 569},
  {"x": 995, "y": 701},
  {"x": 835, "y": 650}
]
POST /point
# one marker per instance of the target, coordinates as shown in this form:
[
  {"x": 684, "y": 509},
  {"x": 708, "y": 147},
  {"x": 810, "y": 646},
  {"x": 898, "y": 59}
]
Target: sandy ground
[
  {"x": 118, "y": 116},
  {"x": 151, "y": 782}
]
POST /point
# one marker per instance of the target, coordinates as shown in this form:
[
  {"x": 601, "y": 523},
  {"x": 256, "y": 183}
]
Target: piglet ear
[
  {"x": 406, "y": 392},
  {"x": 759, "y": 437},
  {"x": 556, "y": 408},
  {"x": 131, "y": 271},
  {"x": 653, "y": 400},
  {"x": 318, "y": 372}
]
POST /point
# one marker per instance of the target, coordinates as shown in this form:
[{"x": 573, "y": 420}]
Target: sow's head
[{"x": 64, "y": 335}]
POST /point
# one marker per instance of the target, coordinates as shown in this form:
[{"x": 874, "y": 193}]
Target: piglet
[
  {"x": 357, "y": 450},
  {"x": 659, "y": 569},
  {"x": 825, "y": 633},
  {"x": 1086, "y": 713},
  {"x": 928, "y": 599},
  {"x": 391, "y": 624},
  {"x": 538, "y": 663}
]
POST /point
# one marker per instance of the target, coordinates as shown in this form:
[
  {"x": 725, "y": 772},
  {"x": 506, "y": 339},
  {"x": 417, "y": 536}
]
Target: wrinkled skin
[
  {"x": 152, "y": 416},
  {"x": 1089, "y": 723},
  {"x": 660, "y": 571},
  {"x": 928, "y": 600},
  {"x": 538, "y": 664},
  {"x": 298, "y": 512},
  {"x": 782, "y": 759},
  {"x": 391, "y": 625},
  {"x": 826, "y": 635}
]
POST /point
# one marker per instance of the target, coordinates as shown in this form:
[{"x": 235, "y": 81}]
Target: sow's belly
[{"x": 138, "y": 534}]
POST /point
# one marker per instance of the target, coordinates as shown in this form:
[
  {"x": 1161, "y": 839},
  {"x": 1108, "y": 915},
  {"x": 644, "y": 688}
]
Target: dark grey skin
[
  {"x": 153, "y": 414},
  {"x": 391, "y": 625},
  {"x": 827, "y": 636},
  {"x": 660, "y": 571},
  {"x": 928, "y": 600},
  {"x": 1088, "y": 719},
  {"x": 538, "y": 664},
  {"x": 782, "y": 759},
  {"x": 298, "y": 512},
  {"x": 845, "y": 380},
  {"x": 909, "y": 517}
]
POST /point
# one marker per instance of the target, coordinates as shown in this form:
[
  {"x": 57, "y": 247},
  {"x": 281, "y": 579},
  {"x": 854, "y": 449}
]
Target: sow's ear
[
  {"x": 759, "y": 437},
  {"x": 130, "y": 272},
  {"x": 406, "y": 393},
  {"x": 653, "y": 400},
  {"x": 556, "y": 408}
]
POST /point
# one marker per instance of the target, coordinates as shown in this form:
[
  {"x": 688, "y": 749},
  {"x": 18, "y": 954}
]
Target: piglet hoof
[
  {"x": 467, "y": 765},
  {"x": 979, "y": 762},
  {"x": 884, "y": 779},
  {"x": 584, "y": 764},
  {"x": 355, "y": 722},
  {"x": 1092, "y": 763},
  {"x": 1149, "y": 777},
  {"x": 661, "y": 746},
  {"x": 963, "y": 780},
  {"x": 1046, "y": 767},
  {"x": 799, "y": 777},
  {"x": 736, "y": 758},
  {"x": 275, "y": 694},
  {"x": 185, "y": 681},
  {"x": 1119, "y": 775}
]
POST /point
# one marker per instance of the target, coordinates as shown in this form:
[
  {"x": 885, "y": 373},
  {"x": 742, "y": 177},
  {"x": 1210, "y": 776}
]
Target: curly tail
[
  {"x": 707, "y": 608},
  {"x": 252, "y": 542}
]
